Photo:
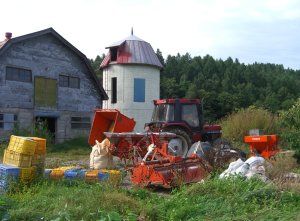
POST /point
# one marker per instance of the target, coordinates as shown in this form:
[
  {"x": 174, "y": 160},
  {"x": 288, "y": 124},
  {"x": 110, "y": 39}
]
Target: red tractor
[{"x": 183, "y": 117}]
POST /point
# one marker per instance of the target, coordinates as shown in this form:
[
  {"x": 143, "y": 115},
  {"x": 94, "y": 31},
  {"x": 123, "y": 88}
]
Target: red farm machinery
[{"x": 146, "y": 155}]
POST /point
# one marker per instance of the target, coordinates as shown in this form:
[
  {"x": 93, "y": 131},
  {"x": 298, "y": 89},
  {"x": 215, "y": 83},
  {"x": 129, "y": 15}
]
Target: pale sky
[{"x": 265, "y": 31}]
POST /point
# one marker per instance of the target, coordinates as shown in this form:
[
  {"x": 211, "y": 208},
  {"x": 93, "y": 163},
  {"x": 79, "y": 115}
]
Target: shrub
[
  {"x": 237, "y": 125},
  {"x": 290, "y": 121},
  {"x": 38, "y": 130}
]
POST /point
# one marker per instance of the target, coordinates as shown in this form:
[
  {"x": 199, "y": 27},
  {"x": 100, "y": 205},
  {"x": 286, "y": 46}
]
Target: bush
[
  {"x": 290, "y": 121},
  {"x": 237, "y": 125},
  {"x": 38, "y": 130}
]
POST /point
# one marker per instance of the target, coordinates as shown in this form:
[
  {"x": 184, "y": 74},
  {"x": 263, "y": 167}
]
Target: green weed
[{"x": 75, "y": 146}]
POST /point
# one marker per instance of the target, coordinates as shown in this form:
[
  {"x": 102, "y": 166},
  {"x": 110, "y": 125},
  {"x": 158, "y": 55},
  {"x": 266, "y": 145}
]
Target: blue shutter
[{"x": 139, "y": 90}]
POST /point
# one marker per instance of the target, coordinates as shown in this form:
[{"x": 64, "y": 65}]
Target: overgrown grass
[
  {"x": 70, "y": 200},
  {"x": 214, "y": 199},
  {"x": 77, "y": 145},
  {"x": 232, "y": 199}
]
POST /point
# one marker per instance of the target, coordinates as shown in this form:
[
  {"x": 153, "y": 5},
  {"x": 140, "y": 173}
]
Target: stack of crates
[
  {"x": 19, "y": 152},
  {"x": 23, "y": 152}
]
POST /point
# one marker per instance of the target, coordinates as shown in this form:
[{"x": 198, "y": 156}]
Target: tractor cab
[
  {"x": 184, "y": 117},
  {"x": 186, "y": 113}
]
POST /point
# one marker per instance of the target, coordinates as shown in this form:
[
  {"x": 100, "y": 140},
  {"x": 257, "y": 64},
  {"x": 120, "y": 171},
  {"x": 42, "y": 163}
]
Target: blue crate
[
  {"x": 103, "y": 176},
  {"x": 9, "y": 172},
  {"x": 74, "y": 173},
  {"x": 47, "y": 173},
  {"x": 81, "y": 173}
]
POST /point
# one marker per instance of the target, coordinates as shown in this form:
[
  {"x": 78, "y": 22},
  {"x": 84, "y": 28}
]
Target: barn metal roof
[
  {"x": 132, "y": 50},
  {"x": 2, "y": 43},
  {"x": 7, "y": 43}
]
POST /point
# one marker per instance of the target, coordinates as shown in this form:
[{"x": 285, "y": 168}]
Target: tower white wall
[{"x": 125, "y": 74}]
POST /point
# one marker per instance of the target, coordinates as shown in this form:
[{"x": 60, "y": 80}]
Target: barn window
[
  {"x": 114, "y": 90},
  {"x": 80, "y": 122},
  {"x": 68, "y": 81},
  {"x": 74, "y": 82},
  {"x": 8, "y": 121},
  {"x": 139, "y": 90},
  {"x": 18, "y": 74}
]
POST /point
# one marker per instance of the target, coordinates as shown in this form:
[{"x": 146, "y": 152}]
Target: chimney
[{"x": 8, "y": 35}]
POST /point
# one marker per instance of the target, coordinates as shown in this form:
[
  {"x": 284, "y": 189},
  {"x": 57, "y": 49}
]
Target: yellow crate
[
  {"x": 40, "y": 145},
  {"x": 115, "y": 177},
  {"x": 92, "y": 175},
  {"x": 16, "y": 159},
  {"x": 27, "y": 174},
  {"x": 21, "y": 145},
  {"x": 38, "y": 160},
  {"x": 58, "y": 173}
]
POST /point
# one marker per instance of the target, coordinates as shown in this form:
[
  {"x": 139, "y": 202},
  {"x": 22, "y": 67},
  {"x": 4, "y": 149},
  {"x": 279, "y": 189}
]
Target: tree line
[{"x": 225, "y": 85}]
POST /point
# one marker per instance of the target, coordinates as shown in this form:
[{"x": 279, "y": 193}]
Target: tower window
[
  {"x": 114, "y": 90},
  {"x": 113, "y": 54},
  {"x": 139, "y": 90}
]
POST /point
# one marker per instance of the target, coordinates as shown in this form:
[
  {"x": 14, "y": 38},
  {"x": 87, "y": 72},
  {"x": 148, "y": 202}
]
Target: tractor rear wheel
[{"x": 183, "y": 136}]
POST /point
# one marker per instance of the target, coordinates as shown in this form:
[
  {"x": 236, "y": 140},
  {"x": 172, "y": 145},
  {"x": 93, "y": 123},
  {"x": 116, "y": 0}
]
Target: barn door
[{"x": 45, "y": 92}]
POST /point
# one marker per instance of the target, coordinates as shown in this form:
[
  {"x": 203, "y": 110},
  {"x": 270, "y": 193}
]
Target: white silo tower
[{"x": 131, "y": 79}]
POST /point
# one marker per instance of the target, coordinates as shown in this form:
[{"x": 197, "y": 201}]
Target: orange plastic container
[
  {"x": 92, "y": 175},
  {"x": 265, "y": 145},
  {"x": 40, "y": 145},
  {"x": 109, "y": 120}
]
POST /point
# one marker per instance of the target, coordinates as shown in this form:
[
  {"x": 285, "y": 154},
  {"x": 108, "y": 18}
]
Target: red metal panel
[{"x": 109, "y": 120}]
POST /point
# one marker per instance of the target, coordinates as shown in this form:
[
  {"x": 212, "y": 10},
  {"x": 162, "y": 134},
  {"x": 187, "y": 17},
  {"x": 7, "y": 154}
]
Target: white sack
[
  {"x": 100, "y": 156},
  {"x": 255, "y": 161}
]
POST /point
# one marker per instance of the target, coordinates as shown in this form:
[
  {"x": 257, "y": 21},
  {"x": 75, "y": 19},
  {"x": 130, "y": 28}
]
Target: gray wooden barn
[{"x": 45, "y": 78}]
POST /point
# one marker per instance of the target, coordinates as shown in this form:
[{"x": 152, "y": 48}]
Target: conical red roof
[{"x": 131, "y": 50}]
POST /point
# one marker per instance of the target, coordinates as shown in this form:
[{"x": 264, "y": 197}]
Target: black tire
[{"x": 184, "y": 136}]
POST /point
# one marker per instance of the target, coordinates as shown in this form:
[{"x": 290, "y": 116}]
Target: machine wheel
[{"x": 183, "y": 135}]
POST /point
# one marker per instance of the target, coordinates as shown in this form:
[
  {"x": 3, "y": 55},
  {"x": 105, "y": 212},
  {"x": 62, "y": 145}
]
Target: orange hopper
[
  {"x": 109, "y": 120},
  {"x": 265, "y": 145}
]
